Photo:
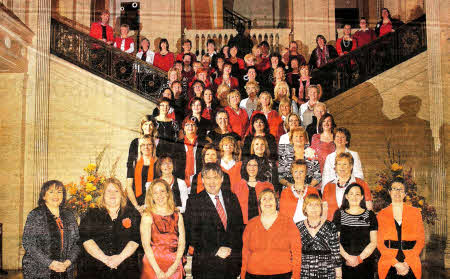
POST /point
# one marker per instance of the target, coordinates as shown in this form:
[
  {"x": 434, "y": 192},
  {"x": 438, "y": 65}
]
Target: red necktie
[{"x": 221, "y": 212}]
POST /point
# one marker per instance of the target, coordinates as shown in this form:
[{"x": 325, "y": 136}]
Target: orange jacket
[
  {"x": 412, "y": 229},
  {"x": 329, "y": 196},
  {"x": 234, "y": 173},
  {"x": 241, "y": 191},
  {"x": 288, "y": 202}
]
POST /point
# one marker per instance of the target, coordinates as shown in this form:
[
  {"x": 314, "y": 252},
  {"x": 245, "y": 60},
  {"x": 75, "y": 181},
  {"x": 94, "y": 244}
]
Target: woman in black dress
[
  {"x": 166, "y": 126},
  {"x": 110, "y": 236},
  {"x": 268, "y": 170},
  {"x": 357, "y": 228},
  {"x": 260, "y": 127},
  {"x": 223, "y": 129}
]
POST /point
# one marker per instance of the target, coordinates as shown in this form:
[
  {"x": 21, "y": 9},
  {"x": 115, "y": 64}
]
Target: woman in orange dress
[
  {"x": 400, "y": 237},
  {"x": 162, "y": 234}
]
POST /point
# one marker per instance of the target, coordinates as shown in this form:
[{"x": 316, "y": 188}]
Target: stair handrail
[
  {"x": 247, "y": 21},
  {"x": 106, "y": 61},
  {"x": 361, "y": 64}
]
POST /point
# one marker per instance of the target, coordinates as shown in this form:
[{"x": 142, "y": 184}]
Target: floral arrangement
[
  {"x": 85, "y": 194},
  {"x": 394, "y": 168}
]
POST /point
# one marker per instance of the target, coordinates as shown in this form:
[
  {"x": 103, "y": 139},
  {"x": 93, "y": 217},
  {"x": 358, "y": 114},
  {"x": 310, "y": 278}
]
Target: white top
[
  {"x": 303, "y": 108},
  {"x": 228, "y": 165},
  {"x": 298, "y": 215},
  {"x": 329, "y": 173},
  {"x": 184, "y": 193},
  {"x": 284, "y": 139},
  {"x": 150, "y": 56},
  {"x": 213, "y": 198}
]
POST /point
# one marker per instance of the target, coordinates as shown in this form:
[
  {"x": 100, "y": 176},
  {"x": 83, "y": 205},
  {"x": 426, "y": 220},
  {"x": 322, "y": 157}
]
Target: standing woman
[
  {"x": 110, "y": 236},
  {"x": 249, "y": 188},
  {"x": 260, "y": 127},
  {"x": 265, "y": 103},
  {"x": 271, "y": 243},
  {"x": 164, "y": 59},
  {"x": 323, "y": 142},
  {"x": 210, "y": 105},
  {"x": 143, "y": 173},
  {"x": 223, "y": 129},
  {"x": 401, "y": 236},
  {"x": 320, "y": 243},
  {"x": 386, "y": 24},
  {"x": 229, "y": 159},
  {"x": 162, "y": 234},
  {"x": 50, "y": 236},
  {"x": 322, "y": 54},
  {"x": 237, "y": 116},
  {"x": 357, "y": 229},
  {"x": 164, "y": 170},
  {"x": 166, "y": 126},
  {"x": 281, "y": 91},
  {"x": 196, "y": 108},
  {"x": 147, "y": 127},
  {"x": 292, "y": 198},
  {"x": 345, "y": 44},
  {"x": 267, "y": 170}
]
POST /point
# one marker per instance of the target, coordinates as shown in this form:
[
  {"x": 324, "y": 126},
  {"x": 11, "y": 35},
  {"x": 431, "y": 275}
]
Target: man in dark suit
[{"x": 214, "y": 228}]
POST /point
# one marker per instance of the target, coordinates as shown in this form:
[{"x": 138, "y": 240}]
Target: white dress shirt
[{"x": 329, "y": 173}]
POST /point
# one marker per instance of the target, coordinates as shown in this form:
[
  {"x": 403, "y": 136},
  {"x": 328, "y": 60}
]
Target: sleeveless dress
[{"x": 164, "y": 243}]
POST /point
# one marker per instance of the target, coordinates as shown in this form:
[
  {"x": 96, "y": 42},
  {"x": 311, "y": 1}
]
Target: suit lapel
[{"x": 211, "y": 211}]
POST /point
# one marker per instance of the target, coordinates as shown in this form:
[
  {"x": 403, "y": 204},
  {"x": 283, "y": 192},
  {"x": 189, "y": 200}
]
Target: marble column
[
  {"x": 436, "y": 100},
  {"x": 42, "y": 91}
]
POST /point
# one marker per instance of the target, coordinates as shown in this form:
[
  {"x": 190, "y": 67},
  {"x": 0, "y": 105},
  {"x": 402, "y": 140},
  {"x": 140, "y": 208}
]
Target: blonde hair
[
  {"x": 277, "y": 70},
  {"x": 285, "y": 101},
  {"x": 236, "y": 149},
  {"x": 152, "y": 140},
  {"x": 116, "y": 183},
  {"x": 148, "y": 118},
  {"x": 249, "y": 56},
  {"x": 320, "y": 104},
  {"x": 286, "y": 121},
  {"x": 310, "y": 199},
  {"x": 234, "y": 92},
  {"x": 299, "y": 130},
  {"x": 222, "y": 89},
  {"x": 150, "y": 203},
  {"x": 259, "y": 106},
  {"x": 266, "y": 152},
  {"x": 173, "y": 69},
  {"x": 252, "y": 83},
  {"x": 280, "y": 86}
]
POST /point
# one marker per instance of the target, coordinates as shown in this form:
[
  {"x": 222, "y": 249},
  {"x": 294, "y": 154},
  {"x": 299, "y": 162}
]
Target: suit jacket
[
  {"x": 412, "y": 230},
  {"x": 36, "y": 241},
  {"x": 206, "y": 233}
]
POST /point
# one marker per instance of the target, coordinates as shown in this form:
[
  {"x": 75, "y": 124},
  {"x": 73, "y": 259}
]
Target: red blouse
[
  {"x": 238, "y": 121},
  {"x": 385, "y": 29},
  {"x": 164, "y": 62},
  {"x": 322, "y": 149}
]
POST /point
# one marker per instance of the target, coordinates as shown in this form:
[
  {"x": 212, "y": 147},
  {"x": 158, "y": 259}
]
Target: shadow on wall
[{"x": 415, "y": 12}]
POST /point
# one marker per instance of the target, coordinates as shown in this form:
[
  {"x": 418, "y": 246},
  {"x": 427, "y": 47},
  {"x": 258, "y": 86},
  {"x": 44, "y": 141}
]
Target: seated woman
[
  {"x": 162, "y": 234},
  {"x": 345, "y": 44},
  {"x": 166, "y": 126},
  {"x": 222, "y": 130},
  {"x": 320, "y": 243},
  {"x": 260, "y": 257},
  {"x": 229, "y": 159},
  {"x": 342, "y": 141},
  {"x": 357, "y": 229},
  {"x": 123, "y": 42},
  {"x": 144, "y": 53},
  {"x": 290, "y": 122},
  {"x": 267, "y": 170},
  {"x": 110, "y": 236},
  {"x": 196, "y": 110},
  {"x": 47, "y": 228},
  {"x": 319, "y": 110},
  {"x": 322, "y": 142},
  {"x": 250, "y": 103},
  {"x": 210, "y": 154},
  {"x": 238, "y": 116},
  {"x": 322, "y": 54},
  {"x": 298, "y": 149},
  {"x": 143, "y": 172},
  {"x": 164, "y": 59},
  {"x": 164, "y": 170},
  {"x": 400, "y": 237},
  {"x": 281, "y": 91},
  {"x": 260, "y": 127},
  {"x": 265, "y": 103},
  {"x": 146, "y": 127},
  {"x": 249, "y": 188},
  {"x": 333, "y": 192},
  {"x": 292, "y": 198}
]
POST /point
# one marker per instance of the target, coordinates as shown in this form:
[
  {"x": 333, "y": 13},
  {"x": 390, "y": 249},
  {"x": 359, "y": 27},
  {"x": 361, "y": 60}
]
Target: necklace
[
  {"x": 346, "y": 45},
  {"x": 313, "y": 227}
]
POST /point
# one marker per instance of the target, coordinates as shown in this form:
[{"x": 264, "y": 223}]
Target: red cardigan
[
  {"x": 128, "y": 42},
  {"x": 96, "y": 32},
  {"x": 288, "y": 202},
  {"x": 329, "y": 196},
  {"x": 277, "y": 250},
  {"x": 164, "y": 62},
  {"x": 241, "y": 191},
  {"x": 412, "y": 229},
  {"x": 234, "y": 82},
  {"x": 238, "y": 121}
]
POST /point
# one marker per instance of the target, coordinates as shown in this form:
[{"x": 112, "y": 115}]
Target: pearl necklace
[{"x": 346, "y": 44}]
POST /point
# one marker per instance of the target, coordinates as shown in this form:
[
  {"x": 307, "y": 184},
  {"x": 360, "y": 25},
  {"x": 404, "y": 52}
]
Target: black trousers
[{"x": 274, "y": 276}]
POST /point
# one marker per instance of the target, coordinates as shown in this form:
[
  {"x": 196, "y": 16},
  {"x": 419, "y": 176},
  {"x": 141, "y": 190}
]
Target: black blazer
[
  {"x": 205, "y": 232},
  {"x": 179, "y": 156}
]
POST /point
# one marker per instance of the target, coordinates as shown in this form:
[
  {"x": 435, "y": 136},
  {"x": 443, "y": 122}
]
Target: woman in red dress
[
  {"x": 164, "y": 59},
  {"x": 323, "y": 142},
  {"x": 162, "y": 234}
]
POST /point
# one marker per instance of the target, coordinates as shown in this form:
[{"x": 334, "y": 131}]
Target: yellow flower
[
  {"x": 88, "y": 198},
  {"x": 408, "y": 198},
  {"x": 102, "y": 180},
  {"x": 90, "y": 178},
  {"x": 92, "y": 205},
  {"x": 73, "y": 190},
  {"x": 421, "y": 202},
  {"x": 396, "y": 167},
  {"x": 90, "y": 168},
  {"x": 379, "y": 188},
  {"x": 90, "y": 187}
]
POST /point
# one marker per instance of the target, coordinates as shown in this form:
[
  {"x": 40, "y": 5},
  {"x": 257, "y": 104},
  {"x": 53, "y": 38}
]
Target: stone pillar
[
  {"x": 436, "y": 89},
  {"x": 311, "y": 18},
  {"x": 42, "y": 91}
]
